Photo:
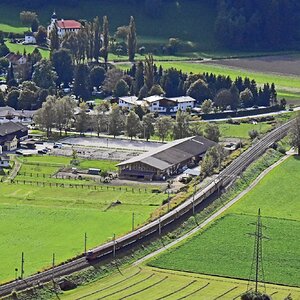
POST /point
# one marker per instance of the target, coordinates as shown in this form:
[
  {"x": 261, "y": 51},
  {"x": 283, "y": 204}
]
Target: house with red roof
[{"x": 63, "y": 26}]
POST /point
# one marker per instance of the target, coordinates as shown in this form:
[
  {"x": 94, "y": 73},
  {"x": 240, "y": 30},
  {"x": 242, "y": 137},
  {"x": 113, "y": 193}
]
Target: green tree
[
  {"x": 181, "y": 128},
  {"x": 121, "y": 88},
  {"x": 294, "y": 134},
  {"x": 222, "y": 99},
  {"x": 27, "y": 18},
  {"x": 122, "y": 32},
  {"x": 54, "y": 39},
  {"x": 131, "y": 39},
  {"x": 199, "y": 90},
  {"x": 132, "y": 124},
  {"x": 97, "y": 76},
  {"x": 4, "y": 50},
  {"x": 97, "y": 38},
  {"x": 112, "y": 77},
  {"x": 12, "y": 98},
  {"x": 45, "y": 116},
  {"x": 81, "y": 84},
  {"x": 62, "y": 63},
  {"x": 148, "y": 126},
  {"x": 156, "y": 90},
  {"x": 213, "y": 159},
  {"x": 163, "y": 126},
  {"x": 35, "y": 25},
  {"x": 2, "y": 99},
  {"x": 64, "y": 108},
  {"x": 100, "y": 119},
  {"x": 116, "y": 121},
  {"x": 212, "y": 132},
  {"x": 235, "y": 97},
  {"x": 207, "y": 106},
  {"x": 43, "y": 75},
  {"x": 82, "y": 119},
  {"x": 105, "y": 33},
  {"x": 149, "y": 71},
  {"x": 139, "y": 78},
  {"x": 246, "y": 98},
  {"x": 41, "y": 36}
]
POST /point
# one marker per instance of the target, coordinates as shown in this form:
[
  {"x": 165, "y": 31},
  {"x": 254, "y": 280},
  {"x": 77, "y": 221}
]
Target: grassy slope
[
  {"x": 43, "y": 220},
  {"x": 178, "y": 283},
  {"x": 214, "y": 250},
  {"x": 178, "y": 20}
]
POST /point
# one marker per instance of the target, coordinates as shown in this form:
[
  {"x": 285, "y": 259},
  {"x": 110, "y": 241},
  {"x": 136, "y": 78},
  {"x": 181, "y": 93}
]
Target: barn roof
[
  {"x": 173, "y": 153},
  {"x": 11, "y": 127}
]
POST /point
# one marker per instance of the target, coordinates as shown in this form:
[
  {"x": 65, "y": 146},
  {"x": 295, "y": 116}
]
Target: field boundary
[{"x": 217, "y": 213}]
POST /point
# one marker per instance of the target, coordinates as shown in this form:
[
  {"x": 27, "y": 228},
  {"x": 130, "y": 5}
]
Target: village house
[
  {"x": 63, "y": 26},
  {"x": 9, "y": 114},
  {"x": 29, "y": 38},
  {"x": 166, "y": 160},
  {"x": 11, "y": 134},
  {"x": 16, "y": 59},
  {"x": 159, "y": 104}
]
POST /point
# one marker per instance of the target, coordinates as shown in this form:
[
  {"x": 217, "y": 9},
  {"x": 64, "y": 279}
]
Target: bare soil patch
[{"x": 283, "y": 64}]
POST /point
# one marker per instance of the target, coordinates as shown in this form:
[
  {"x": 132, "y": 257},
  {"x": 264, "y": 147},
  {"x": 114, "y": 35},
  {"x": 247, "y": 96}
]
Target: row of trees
[
  {"x": 91, "y": 43},
  {"x": 62, "y": 114}
]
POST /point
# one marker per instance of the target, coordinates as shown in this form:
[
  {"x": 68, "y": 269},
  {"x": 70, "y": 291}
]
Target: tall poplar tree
[
  {"x": 105, "y": 34},
  {"x": 131, "y": 39},
  {"x": 97, "y": 38}
]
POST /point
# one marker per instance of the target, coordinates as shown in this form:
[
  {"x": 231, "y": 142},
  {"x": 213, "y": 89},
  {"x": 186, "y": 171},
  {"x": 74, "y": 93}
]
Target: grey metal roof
[
  {"x": 173, "y": 153},
  {"x": 11, "y": 127}
]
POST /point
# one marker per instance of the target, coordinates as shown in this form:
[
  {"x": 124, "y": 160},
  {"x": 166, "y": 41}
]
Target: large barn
[{"x": 166, "y": 160}]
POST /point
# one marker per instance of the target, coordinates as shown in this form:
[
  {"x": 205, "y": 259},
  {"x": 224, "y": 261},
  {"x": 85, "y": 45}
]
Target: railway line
[{"x": 130, "y": 240}]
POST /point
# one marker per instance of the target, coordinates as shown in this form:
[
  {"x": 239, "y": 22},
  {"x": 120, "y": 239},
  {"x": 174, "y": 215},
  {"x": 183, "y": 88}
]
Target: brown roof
[
  {"x": 13, "y": 58},
  {"x": 11, "y": 127}
]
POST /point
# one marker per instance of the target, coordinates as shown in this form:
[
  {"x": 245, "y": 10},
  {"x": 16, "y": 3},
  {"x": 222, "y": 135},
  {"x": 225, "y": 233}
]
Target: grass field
[
  {"x": 214, "y": 250},
  {"x": 43, "y": 220},
  {"x": 153, "y": 284},
  {"x": 29, "y": 49}
]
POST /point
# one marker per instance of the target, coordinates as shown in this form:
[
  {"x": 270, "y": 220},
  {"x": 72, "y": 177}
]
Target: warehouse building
[{"x": 167, "y": 160}]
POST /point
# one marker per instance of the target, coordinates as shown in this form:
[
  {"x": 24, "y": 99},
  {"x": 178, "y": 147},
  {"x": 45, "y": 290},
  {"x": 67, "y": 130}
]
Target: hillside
[{"x": 191, "y": 21}]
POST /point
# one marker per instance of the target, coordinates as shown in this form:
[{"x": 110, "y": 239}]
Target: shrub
[{"x": 253, "y": 134}]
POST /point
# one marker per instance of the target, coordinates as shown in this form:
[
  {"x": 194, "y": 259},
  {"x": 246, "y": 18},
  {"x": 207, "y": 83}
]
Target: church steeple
[{"x": 54, "y": 17}]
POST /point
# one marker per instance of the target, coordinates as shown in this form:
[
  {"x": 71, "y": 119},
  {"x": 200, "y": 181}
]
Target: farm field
[
  {"x": 214, "y": 250},
  {"x": 153, "y": 284},
  {"x": 29, "y": 49},
  {"x": 42, "y": 220},
  {"x": 287, "y": 85}
]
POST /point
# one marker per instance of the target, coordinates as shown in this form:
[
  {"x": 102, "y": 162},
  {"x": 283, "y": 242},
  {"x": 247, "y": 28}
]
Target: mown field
[
  {"x": 153, "y": 284},
  {"x": 225, "y": 248},
  {"x": 42, "y": 220}
]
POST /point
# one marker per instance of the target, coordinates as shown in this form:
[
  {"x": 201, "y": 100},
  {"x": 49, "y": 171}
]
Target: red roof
[{"x": 68, "y": 24}]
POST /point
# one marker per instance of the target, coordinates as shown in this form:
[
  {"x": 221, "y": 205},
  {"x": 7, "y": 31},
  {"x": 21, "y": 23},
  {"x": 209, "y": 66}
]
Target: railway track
[{"x": 130, "y": 240}]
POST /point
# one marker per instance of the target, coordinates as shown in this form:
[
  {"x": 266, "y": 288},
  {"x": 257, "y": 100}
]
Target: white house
[
  {"x": 29, "y": 38},
  {"x": 163, "y": 104},
  {"x": 130, "y": 102},
  {"x": 63, "y": 26},
  {"x": 184, "y": 102}
]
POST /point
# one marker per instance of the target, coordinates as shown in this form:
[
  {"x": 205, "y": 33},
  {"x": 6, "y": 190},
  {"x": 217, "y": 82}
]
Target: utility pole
[
  {"x": 257, "y": 262},
  {"x": 114, "y": 246},
  {"x": 53, "y": 265},
  {"x": 85, "y": 242},
  {"x": 22, "y": 265},
  {"x": 195, "y": 186},
  {"x": 168, "y": 201},
  {"x": 133, "y": 221}
]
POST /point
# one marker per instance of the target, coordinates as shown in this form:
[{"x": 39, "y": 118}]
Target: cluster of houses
[{"x": 158, "y": 104}]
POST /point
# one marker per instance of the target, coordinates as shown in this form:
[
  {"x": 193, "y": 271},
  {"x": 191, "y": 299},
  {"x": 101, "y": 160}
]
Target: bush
[{"x": 253, "y": 134}]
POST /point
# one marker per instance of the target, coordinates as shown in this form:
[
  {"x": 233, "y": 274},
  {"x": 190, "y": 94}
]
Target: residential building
[
  {"x": 11, "y": 134},
  {"x": 16, "y": 59},
  {"x": 9, "y": 114},
  {"x": 4, "y": 161},
  {"x": 166, "y": 160},
  {"x": 29, "y": 38},
  {"x": 129, "y": 102}
]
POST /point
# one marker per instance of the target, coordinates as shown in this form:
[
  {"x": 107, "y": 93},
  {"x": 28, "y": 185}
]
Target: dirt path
[
  {"x": 219, "y": 212},
  {"x": 14, "y": 172}
]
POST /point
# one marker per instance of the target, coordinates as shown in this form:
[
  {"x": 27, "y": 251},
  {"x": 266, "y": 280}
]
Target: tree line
[{"x": 62, "y": 114}]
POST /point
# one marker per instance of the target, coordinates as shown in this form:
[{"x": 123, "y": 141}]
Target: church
[{"x": 63, "y": 26}]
